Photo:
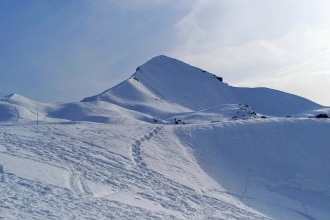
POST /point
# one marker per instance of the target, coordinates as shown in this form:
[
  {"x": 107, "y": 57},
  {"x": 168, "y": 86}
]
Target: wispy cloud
[
  {"x": 73, "y": 49},
  {"x": 278, "y": 44}
]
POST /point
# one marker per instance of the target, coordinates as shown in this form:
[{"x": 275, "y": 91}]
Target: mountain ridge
[
  {"x": 173, "y": 81},
  {"x": 162, "y": 88}
]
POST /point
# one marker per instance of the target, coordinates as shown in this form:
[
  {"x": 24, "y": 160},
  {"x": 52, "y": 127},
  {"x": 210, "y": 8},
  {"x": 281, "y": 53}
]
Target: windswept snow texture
[
  {"x": 100, "y": 171},
  {"x": 171, "y": 142}
]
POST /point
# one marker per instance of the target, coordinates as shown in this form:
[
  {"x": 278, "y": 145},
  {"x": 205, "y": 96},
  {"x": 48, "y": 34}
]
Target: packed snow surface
[{"x": 171, "y": 142}]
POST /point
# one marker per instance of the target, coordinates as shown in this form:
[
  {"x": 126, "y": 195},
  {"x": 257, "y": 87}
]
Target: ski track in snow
[
  {"x": 183, "y": 197},
  {"x": 78, "y": 184},
  {"x": 73, "y": 203},
  {"x": 87, "y": 162}
]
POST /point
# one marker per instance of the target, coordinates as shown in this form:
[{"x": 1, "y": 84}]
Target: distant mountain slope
[
  {"x": 14, "y": 107},
  {"x": 162, "y": 89},
  {"x": 17, "y": 108},
  {"x": 166, "y": 85}
]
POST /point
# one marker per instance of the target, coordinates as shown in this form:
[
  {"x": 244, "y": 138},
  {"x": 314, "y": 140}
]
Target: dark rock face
[
  {"x": 322, "y": 116},
  {"x": 219, "y": 78}
]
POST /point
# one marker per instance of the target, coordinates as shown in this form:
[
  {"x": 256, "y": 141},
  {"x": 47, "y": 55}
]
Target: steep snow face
[
  {"x": 181, "y": 83},
  {"x": 165, "y": 85}
]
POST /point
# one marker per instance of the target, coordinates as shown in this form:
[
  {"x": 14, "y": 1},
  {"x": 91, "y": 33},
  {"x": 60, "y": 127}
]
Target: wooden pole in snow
[{"x": 37, "y": 114}]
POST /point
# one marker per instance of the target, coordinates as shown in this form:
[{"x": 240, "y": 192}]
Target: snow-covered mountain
[
  {"x": 16, "y": 108},
  {"x": 164, "y": 85},
  {"x": 233, "y": 153},
  {"x": 163, "y": 88}
]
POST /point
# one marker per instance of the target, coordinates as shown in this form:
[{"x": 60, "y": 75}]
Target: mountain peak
[
  {"x": 165, "y": 85},
  {"x": 167, "y": 64},
  {"x": 162, "y": 58},
  {"x": 14, "y": 98},
  {"x": 10, "y": 96}
]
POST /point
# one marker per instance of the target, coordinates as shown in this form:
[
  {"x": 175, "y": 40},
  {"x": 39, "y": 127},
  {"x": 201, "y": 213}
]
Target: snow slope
[
  {"x": 119, "y": 155},
  {"x": 97, "y": 171},
  {"x": 16, "y": 108},
  {"x": 243, "y": 169},
  {"x": 165, "y": 85},
  {"x": 278, "y": 166}
]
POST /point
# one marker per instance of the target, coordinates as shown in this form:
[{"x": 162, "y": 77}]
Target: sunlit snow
[{"x": 171, "y": 142}]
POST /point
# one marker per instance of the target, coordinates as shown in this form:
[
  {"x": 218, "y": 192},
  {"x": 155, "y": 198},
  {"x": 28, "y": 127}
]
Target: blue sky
[{"x": 66, "y": 50}]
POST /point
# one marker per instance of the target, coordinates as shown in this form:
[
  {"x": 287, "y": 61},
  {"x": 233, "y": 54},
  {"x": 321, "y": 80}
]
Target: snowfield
[
  {"x": 100, "y": 171},
  {"x": 171, "y": 142}
]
